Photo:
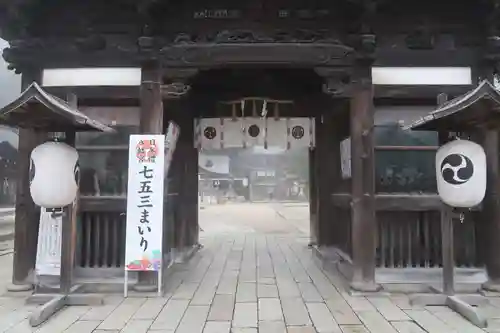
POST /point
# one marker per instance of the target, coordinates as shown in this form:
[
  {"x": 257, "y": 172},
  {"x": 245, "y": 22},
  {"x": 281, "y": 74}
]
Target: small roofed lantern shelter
[
  {"x": 474, "y": 116},
  {"x": 40, "y": 111}
]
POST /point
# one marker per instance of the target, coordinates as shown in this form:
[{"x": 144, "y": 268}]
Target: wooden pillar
[
  {"x": 151, "y": 122},
  {"x": 184, "y": 169},
  {"x": 491, "y": 213},
  {"x": 326, "y": 178},
  {"x": 186, "y": 156},
  {"x": 363, "y": 181},
  {"x": 313, "y": 217},
  {"x": 69, "y": 227},
  {"x": 27, "y": 217}
]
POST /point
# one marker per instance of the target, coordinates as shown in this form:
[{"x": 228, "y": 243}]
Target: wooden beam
[
  {"x": 419, "y": 91},
  {"x": 89, "y": 93},
  {"x": 438, "y": 57},
  {"x": 103, "y": 204},
  {"x": 364, "y": 225},
  {"x": 95, "y": 95},
  {"x": 395, "y": 202}
]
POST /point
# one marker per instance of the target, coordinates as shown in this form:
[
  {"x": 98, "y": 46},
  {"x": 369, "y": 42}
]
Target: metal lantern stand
[{"x": 463, "y": 304}]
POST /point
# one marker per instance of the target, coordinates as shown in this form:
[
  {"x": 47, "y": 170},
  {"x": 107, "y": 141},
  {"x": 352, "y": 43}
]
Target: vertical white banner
[
  {"x": 299, "y": 133},
  {"x": 145, "y": 203}
]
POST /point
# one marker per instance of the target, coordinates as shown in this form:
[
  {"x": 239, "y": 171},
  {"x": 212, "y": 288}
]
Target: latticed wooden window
[
  {"x": 404, "y": 160},
  {"x": 104, "y": 156}
]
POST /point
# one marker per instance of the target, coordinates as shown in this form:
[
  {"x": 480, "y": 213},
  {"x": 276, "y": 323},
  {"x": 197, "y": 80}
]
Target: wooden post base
[
  {"x": 463, "y": 305},
  {"x": 184, "y": 255},
  {"x": 492, "y": 286},
  {"x": 17, "y": 288},
  {"x": 365, "y": 287},
  {"x": 52, "y": 303}
]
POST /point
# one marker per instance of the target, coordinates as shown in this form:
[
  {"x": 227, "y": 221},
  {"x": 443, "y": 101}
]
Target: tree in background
[{"x": 9, "y": 81}]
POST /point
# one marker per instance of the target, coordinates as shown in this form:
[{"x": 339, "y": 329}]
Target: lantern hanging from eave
[
  {"x": 54, "y": 175},
  {"x": 461, "y": 173}
]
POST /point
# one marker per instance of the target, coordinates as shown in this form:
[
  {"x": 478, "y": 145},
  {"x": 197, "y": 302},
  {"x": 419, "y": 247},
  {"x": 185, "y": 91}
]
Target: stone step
[
  {"x": 6, "y": 234},
  {"x": 6, "y": 247},
  {"x": 7, "y": 211},
  {"x": 7, "y": 225}
]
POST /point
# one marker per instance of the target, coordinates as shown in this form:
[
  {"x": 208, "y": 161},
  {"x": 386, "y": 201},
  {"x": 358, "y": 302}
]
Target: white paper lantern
[
  {"x": 254, "y": 131},
  {"x": 461, "y": 173},
  {"x": 300, "y": 132},
  {"x": 210, "y": 133},
  {"x": 54, "y": 175}
]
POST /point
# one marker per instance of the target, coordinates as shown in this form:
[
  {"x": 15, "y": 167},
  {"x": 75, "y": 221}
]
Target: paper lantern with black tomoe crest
[
  {"x": 461, "y": 173},
  {"x": 54, "y": 175}
]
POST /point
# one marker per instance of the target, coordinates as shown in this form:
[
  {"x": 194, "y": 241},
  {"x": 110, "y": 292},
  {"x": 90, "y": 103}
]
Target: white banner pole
[
  {"x": 125, "y": 284},
  {"x": 160, "y": 278}
]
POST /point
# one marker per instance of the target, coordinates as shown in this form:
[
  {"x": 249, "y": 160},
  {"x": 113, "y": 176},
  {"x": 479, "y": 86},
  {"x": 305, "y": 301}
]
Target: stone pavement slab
[
  {"x": 245, "y": 315},
  {"x": 247, "y": 282}
]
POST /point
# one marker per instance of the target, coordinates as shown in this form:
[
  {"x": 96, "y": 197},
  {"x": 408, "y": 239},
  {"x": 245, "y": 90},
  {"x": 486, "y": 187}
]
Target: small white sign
[
  {"x": 173, "y": 132},
  {"x": 48, "y": 255},
  {"x": 145, "y": 203},
  {"x": 345, "y": 158}
]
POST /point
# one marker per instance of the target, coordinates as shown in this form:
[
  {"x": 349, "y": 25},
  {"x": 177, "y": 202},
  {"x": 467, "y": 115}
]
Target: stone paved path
[{"x": 249, "y": 282}]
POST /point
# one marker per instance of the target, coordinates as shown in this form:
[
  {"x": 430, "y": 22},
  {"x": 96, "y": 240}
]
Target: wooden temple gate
[{"x": 137, "y": 67}]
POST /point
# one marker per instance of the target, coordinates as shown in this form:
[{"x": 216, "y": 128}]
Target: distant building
[{"x": 256, "y": 174}]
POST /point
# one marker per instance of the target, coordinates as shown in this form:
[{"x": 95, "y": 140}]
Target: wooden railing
[
  {"x": 101, "y": 231},
  {"x": 413, "y": 240},
  {"x": 409, "y": 232},
  {"x": 101, "y": 240}
]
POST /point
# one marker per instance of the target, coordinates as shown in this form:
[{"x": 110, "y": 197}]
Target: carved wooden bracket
[
  {"x": 227, "y": 47},
  {"x": 174, "y": 90},
  {"x": 365, "y": 45},
  {"x": 177, "y": 79},
  {"x": 340, "y": 81},
  {"x": 337, "y": 80}
]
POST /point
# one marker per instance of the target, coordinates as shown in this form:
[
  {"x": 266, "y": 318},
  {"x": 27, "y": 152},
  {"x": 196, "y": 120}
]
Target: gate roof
[
  {"x": 37, "y": 109},
  {"x": 479, "y": 108}
]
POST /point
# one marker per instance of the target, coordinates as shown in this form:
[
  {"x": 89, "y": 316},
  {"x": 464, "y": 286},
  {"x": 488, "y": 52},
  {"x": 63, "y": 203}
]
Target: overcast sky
[{"x": 10, "y": 87}]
